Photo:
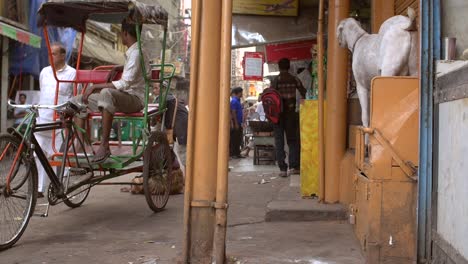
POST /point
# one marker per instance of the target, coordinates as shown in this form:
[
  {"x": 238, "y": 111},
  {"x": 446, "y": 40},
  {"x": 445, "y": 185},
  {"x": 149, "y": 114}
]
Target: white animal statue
[{"x": 391, "y": 52}]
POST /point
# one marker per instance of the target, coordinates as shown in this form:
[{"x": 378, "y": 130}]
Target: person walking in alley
[
  {"x": 286, "y": 84},
  {"x": 236, "y": 123},
  {"x": 48, "y": 85}
]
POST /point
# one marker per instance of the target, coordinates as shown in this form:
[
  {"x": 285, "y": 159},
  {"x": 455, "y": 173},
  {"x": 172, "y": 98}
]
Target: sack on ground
[{"x": 177, "y": 185}]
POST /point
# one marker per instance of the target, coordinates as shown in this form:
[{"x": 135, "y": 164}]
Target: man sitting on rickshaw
[{"x": 126, "y": 95}]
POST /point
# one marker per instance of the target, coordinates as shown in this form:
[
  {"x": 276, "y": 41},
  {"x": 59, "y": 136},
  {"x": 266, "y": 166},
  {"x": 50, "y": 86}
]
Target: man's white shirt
[
  {"x": 260, "y": 111},
  {"x": 48, "y": 85},
  {"x": 132, "y": 80}
]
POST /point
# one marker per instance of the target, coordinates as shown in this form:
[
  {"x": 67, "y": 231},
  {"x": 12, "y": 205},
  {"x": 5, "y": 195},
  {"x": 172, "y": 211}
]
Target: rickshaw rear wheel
[
  {"x": 77, "y": 197},
  {"x": 157, "y": 171},
  {"x": 17, "y": 204}
]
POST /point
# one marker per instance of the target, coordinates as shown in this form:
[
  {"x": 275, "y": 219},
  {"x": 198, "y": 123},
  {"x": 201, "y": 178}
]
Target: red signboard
[
  {"x": 253, "y": 66},
  {"x": 293, "y": 51}
]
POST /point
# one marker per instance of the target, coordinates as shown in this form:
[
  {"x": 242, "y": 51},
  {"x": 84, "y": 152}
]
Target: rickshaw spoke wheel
[
  {"x": 157, "y": 171},
  {"x": 16, "y": 206},
  {"x": 77, "y": 197}
]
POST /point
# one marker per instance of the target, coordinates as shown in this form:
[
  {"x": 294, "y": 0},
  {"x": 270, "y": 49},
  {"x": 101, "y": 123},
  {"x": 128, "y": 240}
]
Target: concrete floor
[
  {"x": 279, "y": 242},
  {"x": 116, "y": 227}
]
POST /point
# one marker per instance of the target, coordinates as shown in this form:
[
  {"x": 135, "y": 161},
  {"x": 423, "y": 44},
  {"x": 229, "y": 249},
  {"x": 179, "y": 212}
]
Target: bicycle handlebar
[{"x": 37, "y": 106}]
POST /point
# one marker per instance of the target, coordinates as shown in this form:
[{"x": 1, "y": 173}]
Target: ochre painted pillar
[
  {"x": 381, "y": 11},
  {"x": 335, "y": 136},
  {"x": 207, "y": 147}
]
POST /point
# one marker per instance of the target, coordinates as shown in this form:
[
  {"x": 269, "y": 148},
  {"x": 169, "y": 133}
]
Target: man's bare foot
[{"x": 102, "y": 154}]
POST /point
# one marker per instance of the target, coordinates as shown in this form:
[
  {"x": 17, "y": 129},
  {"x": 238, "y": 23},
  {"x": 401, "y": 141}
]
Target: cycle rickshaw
[{"x": 150, "y": 154}]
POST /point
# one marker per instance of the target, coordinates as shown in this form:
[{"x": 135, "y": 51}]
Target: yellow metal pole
[
  {"x": 321, "y": 97},
  {"x": 208, "y": 133},
  {"x": 219, "y": 246},
  {"x": 194, "y": 62},
  {"x": 381, "y": 11},
  {"x": 335, "y": 141}
]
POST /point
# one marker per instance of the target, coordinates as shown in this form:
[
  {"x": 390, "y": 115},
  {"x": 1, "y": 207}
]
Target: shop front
[
  {"x": 11, "y": 31},
  {"x": 378, "y": 173},
  {"x": 377, "y": 180}
]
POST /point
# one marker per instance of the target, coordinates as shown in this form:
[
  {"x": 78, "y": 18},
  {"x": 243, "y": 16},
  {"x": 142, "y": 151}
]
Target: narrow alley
[{"x": 113, "y": 227}]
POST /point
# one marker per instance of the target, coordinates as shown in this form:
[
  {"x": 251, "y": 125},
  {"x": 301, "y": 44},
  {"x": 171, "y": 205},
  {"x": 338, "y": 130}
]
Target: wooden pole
[
  {"x": 224, "y": 127},
  {"x": 207, "y": 160},
  {"x": 194, "y": 62},
  {"x": 335, "y": 141},
  {"x": 321, "y": 96}
]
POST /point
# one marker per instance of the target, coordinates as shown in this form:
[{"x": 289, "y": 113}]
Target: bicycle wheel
[
  {"x": 157, "y": 169},
  {"x": 77, "y": 197},
  {"x": 17, "y": 205},
  {"x": 72, "y": 177}
]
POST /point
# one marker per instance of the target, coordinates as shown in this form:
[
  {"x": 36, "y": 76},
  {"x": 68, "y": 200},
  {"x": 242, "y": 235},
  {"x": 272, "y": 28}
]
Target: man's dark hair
[
  {"x": 284, "y": 64},
  {"x": 22, "y": 94},
  {"x": 61, "y": 47},
  {"x": 236, "y": 90},
  {"x": 130, "y": 28}
]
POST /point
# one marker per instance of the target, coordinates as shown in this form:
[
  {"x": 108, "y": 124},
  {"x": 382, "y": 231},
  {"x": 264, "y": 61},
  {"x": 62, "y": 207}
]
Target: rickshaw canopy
[{"x": 74, "y": 13}]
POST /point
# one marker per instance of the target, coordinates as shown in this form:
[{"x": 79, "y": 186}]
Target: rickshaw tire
[
  {"x": 68, "y": 202},
  {"x": 33, "y": 174},
  {"x": 157, "y": 147}
]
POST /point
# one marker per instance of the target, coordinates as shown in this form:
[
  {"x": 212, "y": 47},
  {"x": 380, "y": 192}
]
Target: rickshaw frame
[
  {"x": 23, "y": 136},
  {"x": 135, "y": 13}
]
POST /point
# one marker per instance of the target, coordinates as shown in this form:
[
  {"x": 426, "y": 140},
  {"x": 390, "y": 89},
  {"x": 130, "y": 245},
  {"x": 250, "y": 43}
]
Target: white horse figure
[{"x": 391, "y": 52}]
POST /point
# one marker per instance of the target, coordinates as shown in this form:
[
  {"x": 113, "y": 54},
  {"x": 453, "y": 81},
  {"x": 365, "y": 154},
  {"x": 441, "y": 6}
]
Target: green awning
[{"x": 20, "y": 35}]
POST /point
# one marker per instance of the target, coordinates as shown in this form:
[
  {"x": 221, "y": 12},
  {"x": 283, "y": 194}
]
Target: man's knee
[
  {"x": 78, "y": 99},
  {"x": 106, "y": 101},
  {"x": 106, "y": 92}
]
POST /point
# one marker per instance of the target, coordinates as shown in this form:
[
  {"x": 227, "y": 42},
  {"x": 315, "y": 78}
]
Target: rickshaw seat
[{"x": 95, "y": 76}]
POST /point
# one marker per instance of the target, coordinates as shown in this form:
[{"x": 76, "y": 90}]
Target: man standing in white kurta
[{"x": 48, "y": 86}]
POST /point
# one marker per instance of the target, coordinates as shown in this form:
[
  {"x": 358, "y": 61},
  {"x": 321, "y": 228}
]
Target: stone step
[
  {"x": 290, "y": 206},
  {"x": 304, "y": 210}
]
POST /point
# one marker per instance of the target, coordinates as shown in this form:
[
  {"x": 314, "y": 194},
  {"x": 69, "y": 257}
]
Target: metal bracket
[{"x": 408, "y": 168}]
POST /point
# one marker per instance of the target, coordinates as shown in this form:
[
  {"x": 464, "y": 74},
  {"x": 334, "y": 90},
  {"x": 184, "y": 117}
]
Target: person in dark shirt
[
  {"x": 287, "y": 84},
  {"x": 236, "y": 123},
  {"x": 181, "y": 121}
]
